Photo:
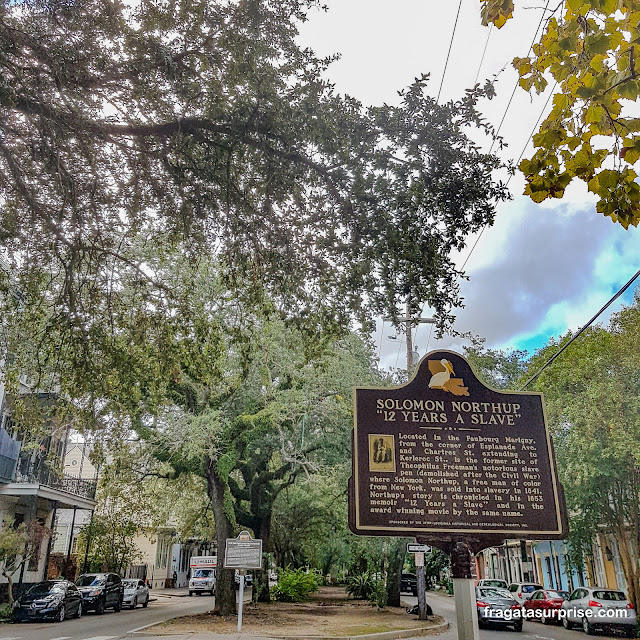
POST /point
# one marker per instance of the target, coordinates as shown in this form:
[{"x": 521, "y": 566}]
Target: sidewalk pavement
[{"x": 174, "y": 593}]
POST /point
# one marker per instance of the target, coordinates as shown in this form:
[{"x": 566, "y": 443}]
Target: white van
[{"x": 203, "y": 574}]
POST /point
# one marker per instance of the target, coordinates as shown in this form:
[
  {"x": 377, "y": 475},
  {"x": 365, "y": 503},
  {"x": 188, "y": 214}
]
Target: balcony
[
  {"x": 35, "y": 479},
  {"x": 60, "y": 481}
]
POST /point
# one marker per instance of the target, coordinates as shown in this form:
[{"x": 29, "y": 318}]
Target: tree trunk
[
  {"x": 9, "y": 578},
  {"x": 261, "y": 592},
  {"x": 630, "y": 567},
  {"x": 394, "y": 574},
  {"x": 225, "y": 578}
]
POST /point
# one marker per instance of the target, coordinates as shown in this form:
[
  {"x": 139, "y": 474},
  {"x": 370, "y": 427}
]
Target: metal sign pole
[
  {"x": 421, "y": 586},
  {"x": 241, "y": 600}
]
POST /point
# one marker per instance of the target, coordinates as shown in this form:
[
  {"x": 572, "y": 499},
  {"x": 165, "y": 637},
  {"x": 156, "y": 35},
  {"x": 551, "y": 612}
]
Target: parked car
[
  {"x": 494, "y": 607},
  {"x": 135, "y": 592},
  {"x": 409, "y": 583},
  {"x": 101, "y": 591},
  {"x": 202, "y": 580},
  {"x": 545, "y": 604},
  {"x": 248, "y": 579},
  {"x": 522, "y": 591},
  {"x": 54, "y": 599},
  {"x": 492, "y": 582},
  {"x": 609, "y": 609}
]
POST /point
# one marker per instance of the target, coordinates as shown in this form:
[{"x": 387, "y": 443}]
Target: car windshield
[
  {"x": 493, "y": 583},
  {"x": 555, "y": 595},
  {"x": 45, "y": 588},
  {"x": 130, "y": 584},
  {"x": 90, "y": 581},
  {"x": 493, "y": 593},
  {"x": 609, "y": 595},
  {"x": 530, "y": 588},
  {"x": 203, "y": 573}
]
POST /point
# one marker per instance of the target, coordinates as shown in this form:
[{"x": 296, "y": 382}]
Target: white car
[
  {"x": 522, "y": 591},
  {"x": 599, "y": 608},
  {"x": 135, "y": 592},
  {"x": 203, "y": 580}
]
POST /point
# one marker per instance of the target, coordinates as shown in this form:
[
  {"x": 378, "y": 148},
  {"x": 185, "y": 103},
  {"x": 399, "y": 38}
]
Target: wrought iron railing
[{"x": 41, "y": 474}]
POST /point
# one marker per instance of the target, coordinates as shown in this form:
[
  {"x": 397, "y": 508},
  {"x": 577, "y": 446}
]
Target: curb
[{"x": 385, "y": 635}]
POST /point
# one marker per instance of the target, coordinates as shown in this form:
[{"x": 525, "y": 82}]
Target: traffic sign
[{"x": 412, "y": 547}]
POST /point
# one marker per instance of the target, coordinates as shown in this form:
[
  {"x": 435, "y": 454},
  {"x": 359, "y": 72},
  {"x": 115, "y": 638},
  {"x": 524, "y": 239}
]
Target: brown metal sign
[{"x": 445, "y": 458}]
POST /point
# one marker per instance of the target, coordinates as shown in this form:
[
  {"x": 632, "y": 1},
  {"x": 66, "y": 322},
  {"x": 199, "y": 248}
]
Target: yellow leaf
[{"x": 597, "y": 62}]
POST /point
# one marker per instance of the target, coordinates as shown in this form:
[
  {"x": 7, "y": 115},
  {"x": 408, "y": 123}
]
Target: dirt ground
[{"x": 329, "y": 612}]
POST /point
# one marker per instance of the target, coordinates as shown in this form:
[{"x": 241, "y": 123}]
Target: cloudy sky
[{"x": 541, "y": 269}]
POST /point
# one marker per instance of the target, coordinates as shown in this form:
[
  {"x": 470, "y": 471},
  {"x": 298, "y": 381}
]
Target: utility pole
[{"x": 420, "y": 573}]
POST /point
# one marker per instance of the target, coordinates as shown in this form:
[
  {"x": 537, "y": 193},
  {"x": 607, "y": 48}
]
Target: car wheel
[
  {"x": 79, "y": 611},
  {"x": 587, "y": 627},
  {"x": 545, "y": 619},
  {"x": 100, "y": 607},
  {"x": 134, "y": 604},
  {"x": 190, "y": 593},
  {"x": 60, "y": 617},
  {"x": 118, "y": 605},
  {"x": 146, "y": 603},
  {"x": 518, "y": 626},
  {"x": 566, "y": 624}
]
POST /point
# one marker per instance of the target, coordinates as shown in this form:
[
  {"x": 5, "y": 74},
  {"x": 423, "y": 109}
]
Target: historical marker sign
[
  {"x": 445, "y": 458},
  {"x": 243, "y": 552}
]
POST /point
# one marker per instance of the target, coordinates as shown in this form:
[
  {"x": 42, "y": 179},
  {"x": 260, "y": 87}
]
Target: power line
[
  {"x": 586, "y": 326},
  {"x": 535, "y": 37},
  {"x": 475, "y": 82},
  {"x": 526, "y": 144},
  {"x": 453, "y": 33}
]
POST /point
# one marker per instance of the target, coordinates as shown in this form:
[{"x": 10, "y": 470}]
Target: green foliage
[
  {"x": 363, "y": 586},
  {"x": 590, "y": 49},
  {"x": 5, "y": 611},
  {"x": 18, "y": 546},
  {"x": 379, "y": 596},
  {"x": 295, "y": 585},
  {"x": 593, "y": 404}
]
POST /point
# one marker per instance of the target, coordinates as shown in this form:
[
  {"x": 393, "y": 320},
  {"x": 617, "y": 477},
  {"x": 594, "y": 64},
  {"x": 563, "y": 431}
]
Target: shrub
[
  {"x": 379, "y": 596},
  {"x": 361, "y": 586},
  {"x": 295, "y": 585}
]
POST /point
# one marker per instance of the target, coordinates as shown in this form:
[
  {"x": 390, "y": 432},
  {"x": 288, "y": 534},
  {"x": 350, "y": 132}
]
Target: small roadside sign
[
  {"x": 243, "y": 552},
  {"x": 413, "y": 547},
  {"x": 419, "y": 559}
]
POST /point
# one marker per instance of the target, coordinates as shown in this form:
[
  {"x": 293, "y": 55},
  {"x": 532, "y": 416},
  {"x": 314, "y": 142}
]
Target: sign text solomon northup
[{"x": 445, "y": 455}]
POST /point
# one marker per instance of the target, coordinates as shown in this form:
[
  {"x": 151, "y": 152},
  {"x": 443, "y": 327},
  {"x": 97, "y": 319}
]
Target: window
[{"x": 162, "y": 552}]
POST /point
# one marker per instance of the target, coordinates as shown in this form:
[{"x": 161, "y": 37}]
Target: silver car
[
  {"x": 522, "y": 591},
  {"x": 599, "y": 608},
  {"x": 135, "y": 592}
]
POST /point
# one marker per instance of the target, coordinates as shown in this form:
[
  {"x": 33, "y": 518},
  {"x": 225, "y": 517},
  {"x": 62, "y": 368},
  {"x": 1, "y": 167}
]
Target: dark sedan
[
  {"x": 51, "y": 599},
  {"x": 499, "y": 608},
  {"x": 409, "y": 583}
]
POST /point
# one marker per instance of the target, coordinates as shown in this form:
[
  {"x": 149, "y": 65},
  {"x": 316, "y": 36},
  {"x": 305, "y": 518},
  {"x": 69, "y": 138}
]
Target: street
[
  {"x": 113, "y": 626},
  {"x": 110, "y": 625},
  {"x": 443, "y": 606}
]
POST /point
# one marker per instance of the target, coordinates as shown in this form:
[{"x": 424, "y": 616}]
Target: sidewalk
[{"x": 170, "y": 593}]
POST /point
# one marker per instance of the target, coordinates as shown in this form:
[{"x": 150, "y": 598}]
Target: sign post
[
  {"x": 455, "y": 464},
  {"x": 242, "y": 553}
]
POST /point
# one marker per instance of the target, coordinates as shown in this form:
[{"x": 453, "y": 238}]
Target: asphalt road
[
  {"x": 113, "y": 626},
  {"x": 443, "y": 606},
  {"x": 110, "y": 625}
]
